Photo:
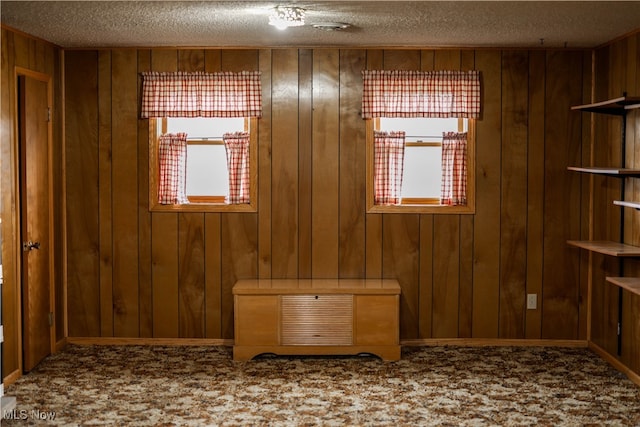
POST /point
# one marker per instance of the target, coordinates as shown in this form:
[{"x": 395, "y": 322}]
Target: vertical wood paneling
[
  {"x": 535, "y": 189},
  {"x": 191, "y": 60},
  {"x": 513, "y": 216},
  {"x": 191, "y": 276},
  {"x": 8, "y": 195},
  {"x": 630, "y": 351},
  {"x": 82, "y": 166},
  {"x": 465, "y": 308},
  {"x": 54, "y": 67},
  {"x": 213, "y": 240},
  {"x": 212, "y": 60},
  {"x": 401, "y": 250},
  {"x": 633, "y": 130},
  {"x": 164, "y": 242},
  {"x": 425, "y": 301},
  {"x": 586, "y": 229},
  {"x": 213, "y": 275},
  {"x": 264, "y": 169},
  {"x": 486, "y": 272},
  {"x": 446, "y": 246},
  {"x": 562, "y": 219},
  {"x": 237, "y": 60},
  {"x": 352, "y": 166},
  {"x": 105, "y": 220},
  {"x": 597, "y": 221},
  {"x": 373, "y": 222},
  {"x": 446, "y": 279},
  {"x": 401, "y": 233},
  {"x": 284, "y": 158},
  {"x": 164, "y": 274},
  {"x": 305, "y": 138},
  {"x": 425, "y": 292},
  {"x": 124, "y": 152},
  {"x": 239, "y": 232},
  {"x": 191, "y": 239},
  {"x": 461, "y": 275},
  {"x": 239, "y": 259},
  {"x": 325, "y": 164},
  {"x": 144, "y": 216}
]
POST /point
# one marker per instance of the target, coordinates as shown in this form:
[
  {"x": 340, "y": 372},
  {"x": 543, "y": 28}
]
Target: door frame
[{"x": 17, "y": 224}]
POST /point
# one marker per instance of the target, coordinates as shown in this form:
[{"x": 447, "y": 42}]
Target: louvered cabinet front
[{"x": 316, "y": 319}]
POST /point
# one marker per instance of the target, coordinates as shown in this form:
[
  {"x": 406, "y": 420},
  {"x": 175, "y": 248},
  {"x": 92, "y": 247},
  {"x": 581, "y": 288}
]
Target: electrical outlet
[{"x": 532, "y": 301}]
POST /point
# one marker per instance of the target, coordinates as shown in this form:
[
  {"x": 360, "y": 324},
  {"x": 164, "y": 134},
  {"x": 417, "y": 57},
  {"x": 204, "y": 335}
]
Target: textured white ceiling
[{"x": 373, "y": 23}]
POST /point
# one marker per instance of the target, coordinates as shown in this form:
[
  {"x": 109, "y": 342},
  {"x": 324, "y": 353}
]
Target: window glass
[
  {"x": 205, "y": 127},
  {"x": 422, "y": 163},
  {"x": 422, "y": 172},
  {"x": 207, "y": 175}
]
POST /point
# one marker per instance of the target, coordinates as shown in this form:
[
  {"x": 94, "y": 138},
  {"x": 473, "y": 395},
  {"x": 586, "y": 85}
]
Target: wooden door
[{"x": 33, "y": 104}]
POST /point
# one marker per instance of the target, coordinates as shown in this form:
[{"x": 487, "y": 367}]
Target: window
[
  {"x": 420, "y": 188},
  {"x": 206, "y": 166},
  {"x": 420, "y": 140},
  {"x": 202, "y": 140}
]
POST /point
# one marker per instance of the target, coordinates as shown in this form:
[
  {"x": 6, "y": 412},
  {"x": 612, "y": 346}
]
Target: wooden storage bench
[{"x": 316, "y": 317}]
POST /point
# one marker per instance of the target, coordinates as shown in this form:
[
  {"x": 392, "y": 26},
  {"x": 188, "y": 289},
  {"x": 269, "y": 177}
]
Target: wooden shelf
[
  {"x": 615, "y": 106},
  {"x": 607, "y": 248},
  {"x": 620, "y": 172},
  {"x": 631, "y": 284},
  {"x": 627, "y": 204}
]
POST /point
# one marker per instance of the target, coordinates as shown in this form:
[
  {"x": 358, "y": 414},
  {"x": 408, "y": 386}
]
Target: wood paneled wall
[
  {"x": 617, "y": 70},
  {"x": 22, "y": 51},
  {"x": 132, "y": 273}
]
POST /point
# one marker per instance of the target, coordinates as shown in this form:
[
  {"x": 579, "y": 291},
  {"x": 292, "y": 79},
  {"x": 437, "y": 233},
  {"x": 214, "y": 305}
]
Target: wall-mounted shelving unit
[
  {"x": 632, "y": 284},
  {"x": 617, "y": 107},
  {"x": 619, "y": 172},
  {"x": 634, "y": 205},
  {"x": 608, "y": 248}
]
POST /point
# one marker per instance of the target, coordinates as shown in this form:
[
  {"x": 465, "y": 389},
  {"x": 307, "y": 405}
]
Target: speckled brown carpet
[{"x": 202, "y": 386}]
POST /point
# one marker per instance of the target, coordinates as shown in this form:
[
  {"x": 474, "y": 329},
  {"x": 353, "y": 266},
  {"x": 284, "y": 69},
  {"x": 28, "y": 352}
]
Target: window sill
[
  {"x": 204, "y": 207},
  {"x": 422, "y": 209}
]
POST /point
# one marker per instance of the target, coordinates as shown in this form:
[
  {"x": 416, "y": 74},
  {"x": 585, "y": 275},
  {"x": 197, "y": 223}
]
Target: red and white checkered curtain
[
  {"x": 398, "y": 93},
  {"x": 200, "y": 94},
  {"x": 388, "y": 163},
  {"x": 172, "y": 159},
  {"x": 237, "y": 147},
  {"x": 454, "y": 169}
]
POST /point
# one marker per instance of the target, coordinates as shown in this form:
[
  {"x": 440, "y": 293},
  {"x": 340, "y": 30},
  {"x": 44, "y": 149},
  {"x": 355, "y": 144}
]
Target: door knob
[{"x": 29, "y": 246}]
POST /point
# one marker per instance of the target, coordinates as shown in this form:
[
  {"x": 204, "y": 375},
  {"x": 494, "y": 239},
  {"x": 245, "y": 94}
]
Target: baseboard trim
[
  {"x": 493, "y": 342},
  {"x": 60, "y": 345},
  {"x": 148, "y": 341},
  {"x": 633, "y": 376},
  {"x": 11, "y": 378},
  {"x": 462, "y": 342}
]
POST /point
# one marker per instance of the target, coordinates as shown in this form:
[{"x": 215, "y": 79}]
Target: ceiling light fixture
[
  {"x": 283, "y": 17},
  {"x": 330, "y": 26}
]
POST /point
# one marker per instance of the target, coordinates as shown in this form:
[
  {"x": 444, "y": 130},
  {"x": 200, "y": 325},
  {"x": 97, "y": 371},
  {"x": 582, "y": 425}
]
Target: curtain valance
[
  {"x": 201, "y": 94},
  {"x": 399, "y": 93}
]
